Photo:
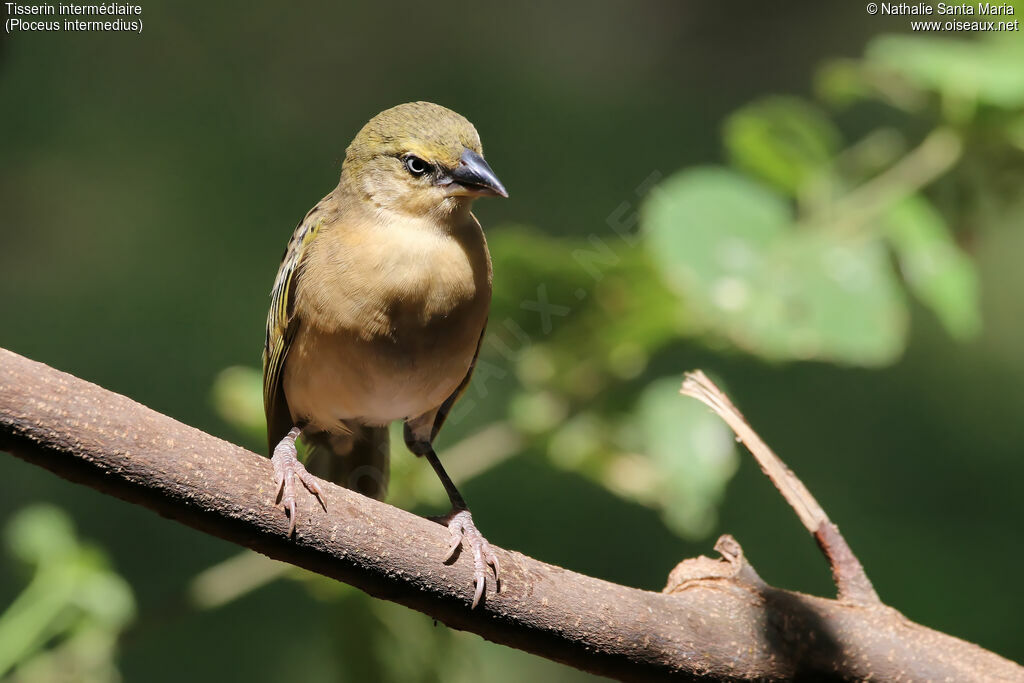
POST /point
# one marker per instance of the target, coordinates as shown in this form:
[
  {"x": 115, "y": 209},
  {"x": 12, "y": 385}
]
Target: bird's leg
[
  {"x": 462, "y": 529},
  {"x": 286, "y": 468}
]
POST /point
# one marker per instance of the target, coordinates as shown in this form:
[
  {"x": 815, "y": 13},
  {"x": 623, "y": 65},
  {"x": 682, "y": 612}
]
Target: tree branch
[
  {"x": 851, "y": 581},
  {"x": 716, "y": 619}
]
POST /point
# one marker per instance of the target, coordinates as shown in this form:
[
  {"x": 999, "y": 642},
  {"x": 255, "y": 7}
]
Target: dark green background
[{"x": 148, "y": 184}]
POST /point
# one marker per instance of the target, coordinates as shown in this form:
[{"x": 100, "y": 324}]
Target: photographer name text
[{"x": 946, "y": 9}]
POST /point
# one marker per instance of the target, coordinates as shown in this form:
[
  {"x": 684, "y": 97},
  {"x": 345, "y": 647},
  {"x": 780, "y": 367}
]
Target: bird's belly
[{"x": 337, "y": 375}]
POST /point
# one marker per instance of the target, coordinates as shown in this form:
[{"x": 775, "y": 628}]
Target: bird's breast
[{"x": 388, "y": 325}]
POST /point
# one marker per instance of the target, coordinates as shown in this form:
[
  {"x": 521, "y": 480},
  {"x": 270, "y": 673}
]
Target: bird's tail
[{"x": 357, "y": 460}]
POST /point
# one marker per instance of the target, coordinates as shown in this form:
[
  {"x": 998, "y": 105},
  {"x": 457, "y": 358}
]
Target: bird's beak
[{"x": 474, "y": 178}]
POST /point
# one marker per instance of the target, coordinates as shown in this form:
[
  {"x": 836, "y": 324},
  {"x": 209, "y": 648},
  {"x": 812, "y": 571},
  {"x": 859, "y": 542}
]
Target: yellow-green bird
[{"x": 378, "y": 311}]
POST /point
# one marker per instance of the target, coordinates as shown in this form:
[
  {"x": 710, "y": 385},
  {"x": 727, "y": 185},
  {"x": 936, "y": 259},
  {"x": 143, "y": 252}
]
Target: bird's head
[{"x": 419, "y": 158}]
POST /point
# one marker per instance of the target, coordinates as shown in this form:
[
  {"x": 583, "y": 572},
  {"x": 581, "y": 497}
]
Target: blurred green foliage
[
  {"x": 731, "y": 247},
  {"x": 65, "y": 624},
  {"x": 802, "y": 272},
  {"x": 843, "y": 257},
  {"x": 933, "y": 267},
  {"x": 784, "y": 140}
]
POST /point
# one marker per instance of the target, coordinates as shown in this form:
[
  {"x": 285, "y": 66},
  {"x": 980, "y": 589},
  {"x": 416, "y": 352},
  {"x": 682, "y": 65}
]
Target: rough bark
[
  {"x": 716, "y": 619},
  {"x": 851, "y": 581}
]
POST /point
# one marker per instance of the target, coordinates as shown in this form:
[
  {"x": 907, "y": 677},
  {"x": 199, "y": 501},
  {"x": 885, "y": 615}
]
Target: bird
[{"x": 378, "y": 312}]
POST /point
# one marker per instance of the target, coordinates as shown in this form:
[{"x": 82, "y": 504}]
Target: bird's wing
[
  {"x": 442, "y": 412},
  {"x": 282, "y": 325}
]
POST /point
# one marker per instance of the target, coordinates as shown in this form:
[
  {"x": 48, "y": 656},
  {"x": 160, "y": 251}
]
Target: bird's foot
[
  {"x": 462, "y": 530},
  {"x": 286, "y": 469}
]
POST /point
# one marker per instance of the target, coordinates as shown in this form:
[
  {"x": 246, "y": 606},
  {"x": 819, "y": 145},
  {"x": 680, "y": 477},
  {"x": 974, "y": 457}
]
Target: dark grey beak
[{"x": 474, "y": 178}]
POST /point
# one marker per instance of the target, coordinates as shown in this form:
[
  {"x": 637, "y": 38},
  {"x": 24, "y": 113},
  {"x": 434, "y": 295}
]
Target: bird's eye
[{"x": 416, "y": 166}]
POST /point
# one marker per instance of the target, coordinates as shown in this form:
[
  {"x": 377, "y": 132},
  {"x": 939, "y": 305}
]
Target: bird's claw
[
  {"x": 462, "y": 529},
  {"x": 286, "y": 469}
]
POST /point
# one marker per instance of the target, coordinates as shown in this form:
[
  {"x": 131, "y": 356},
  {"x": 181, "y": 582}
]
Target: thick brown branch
[
  {"x": 851, "y": 581},
  {"x": 716, "y": 620}
]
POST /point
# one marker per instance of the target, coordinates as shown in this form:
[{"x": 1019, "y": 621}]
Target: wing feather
[{"x": 282, "y": 324}]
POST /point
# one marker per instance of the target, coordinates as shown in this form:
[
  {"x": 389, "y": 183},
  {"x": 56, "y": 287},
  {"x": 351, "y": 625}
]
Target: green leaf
[
  {"x": 71, "y": 611},
  {"x": 783, "y": 140},
  {"x": 818, "y": 297},
  {"x": 704, "y": 223},
  {"x": 41, "y": 533},
  {"x": 693, "y": 455},
  {"x": 988, "y": 71},
  {"x": 730, "y": 247},
  {"x": 933, "y": 266}
]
